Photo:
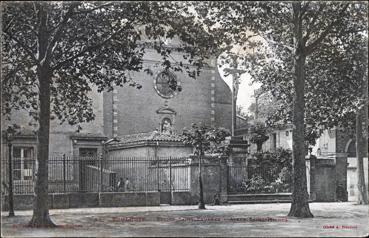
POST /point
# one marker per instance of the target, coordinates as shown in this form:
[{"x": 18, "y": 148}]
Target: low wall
[
  {"x": 21, "y": 202},
  {"x": 323, "y": 180},
  {"x": 214, "y": 179},
  {"x": 126, "y": 199},
  {"x": 183, "y": 198},
  {"x": 80, "y": 200}
]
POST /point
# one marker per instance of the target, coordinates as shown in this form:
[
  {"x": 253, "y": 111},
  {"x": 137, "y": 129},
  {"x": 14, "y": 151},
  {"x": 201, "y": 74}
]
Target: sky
[
  {"x": 245, "y": 91},
  {"x": 246, "y": 87}
]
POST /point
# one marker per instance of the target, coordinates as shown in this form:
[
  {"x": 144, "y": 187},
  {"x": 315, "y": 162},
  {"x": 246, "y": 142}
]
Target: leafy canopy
[
  {"x": 86, "y": 45},
  {"x": 205, "y": 139},
  {"x": 334, "y": 39}
]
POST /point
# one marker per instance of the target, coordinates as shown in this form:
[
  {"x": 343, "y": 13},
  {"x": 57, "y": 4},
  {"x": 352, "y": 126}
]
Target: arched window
[{"x": 166, "y": 84}]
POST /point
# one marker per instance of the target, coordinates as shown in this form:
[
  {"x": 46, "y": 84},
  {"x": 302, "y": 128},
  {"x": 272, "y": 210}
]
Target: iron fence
[{"x": 93, "y": 174}]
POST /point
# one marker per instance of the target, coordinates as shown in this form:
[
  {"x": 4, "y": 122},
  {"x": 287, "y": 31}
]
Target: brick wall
[{"x": 206, "y": 99}]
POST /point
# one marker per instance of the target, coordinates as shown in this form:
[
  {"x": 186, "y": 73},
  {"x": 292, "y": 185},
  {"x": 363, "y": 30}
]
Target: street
[{"x": 330, "y": 220}]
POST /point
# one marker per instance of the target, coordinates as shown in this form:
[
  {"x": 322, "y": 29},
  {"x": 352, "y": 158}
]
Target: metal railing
[{"x": 93, "y": 174}]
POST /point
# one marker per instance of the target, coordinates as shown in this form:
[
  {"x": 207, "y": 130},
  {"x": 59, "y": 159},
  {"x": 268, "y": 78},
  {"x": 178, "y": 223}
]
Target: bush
[
  {"x": 255, "y": 184},
  {"x": 269, "y": 172}
]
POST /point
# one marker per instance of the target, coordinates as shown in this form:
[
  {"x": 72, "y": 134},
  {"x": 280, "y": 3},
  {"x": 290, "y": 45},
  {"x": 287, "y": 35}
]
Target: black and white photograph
[{"x": 184, "y": 119}]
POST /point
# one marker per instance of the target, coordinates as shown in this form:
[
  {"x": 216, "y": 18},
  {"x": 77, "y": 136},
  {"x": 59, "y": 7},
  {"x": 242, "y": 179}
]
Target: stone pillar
[
  {"x": 325, "y": 180},
  {"x": 214, "y": 178},
  {"x": 223, "y": 175},
  {"x": 341, "y": 177},
  {"x": 237, "y": 159},
  {"x": 312, "y": 194}
]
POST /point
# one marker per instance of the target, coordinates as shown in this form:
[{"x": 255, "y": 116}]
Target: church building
[{"x": 126, "y": 112}]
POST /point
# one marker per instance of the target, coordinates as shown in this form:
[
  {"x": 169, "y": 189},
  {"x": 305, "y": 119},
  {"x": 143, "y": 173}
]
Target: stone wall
[
  {"x": 80, "y": 200},
  {"x": 213, "y": 179},
  {"x": 182, "y": 198},
  {"x": 322, "y": 180},
  {"x": 352, "y": 177}
]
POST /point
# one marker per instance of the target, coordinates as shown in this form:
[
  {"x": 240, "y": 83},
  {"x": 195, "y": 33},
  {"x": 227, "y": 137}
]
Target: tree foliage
[
  {"x": 205, "y": 139},
  {"x": 86, "y": 45},
  {"x": 333, "y": 71},
  {"x": 241, "y": 112},
  {"x": 259, "y": 134},
  {"x": 278, "y": 165}
]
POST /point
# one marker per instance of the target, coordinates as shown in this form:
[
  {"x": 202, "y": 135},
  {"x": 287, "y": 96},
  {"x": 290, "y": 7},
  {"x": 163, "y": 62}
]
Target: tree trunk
[
  {"x": 300, "y": 197},
  {"x": 201, "y": 197},
  {"x": 362, "y": 146},
  {"x": 300, "y": 204},
  {"x": 41, "y": 216}
]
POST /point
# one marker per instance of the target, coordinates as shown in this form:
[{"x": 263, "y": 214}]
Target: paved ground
[{"x": 331, "y": 219}]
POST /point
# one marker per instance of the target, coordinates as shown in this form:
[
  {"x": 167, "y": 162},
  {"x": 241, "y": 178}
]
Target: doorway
[{"x": 87, "y": 156}]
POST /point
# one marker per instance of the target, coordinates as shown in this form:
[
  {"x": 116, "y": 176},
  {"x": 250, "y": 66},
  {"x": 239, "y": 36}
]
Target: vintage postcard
[{"x": 184, "y": 119}]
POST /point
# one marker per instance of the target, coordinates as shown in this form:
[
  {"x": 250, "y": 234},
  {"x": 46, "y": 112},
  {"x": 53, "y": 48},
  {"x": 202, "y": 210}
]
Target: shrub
[{"x": 269, "y": 172}]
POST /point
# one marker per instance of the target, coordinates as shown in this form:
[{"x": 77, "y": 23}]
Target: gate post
[
  {"x": 223, "y": 167},
  {"x": 238, "y": 155},
  {"x": 341, "y": 177}
]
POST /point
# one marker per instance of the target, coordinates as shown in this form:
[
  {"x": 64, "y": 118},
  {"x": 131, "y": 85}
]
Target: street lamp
[{"x": 11, "y": 195}]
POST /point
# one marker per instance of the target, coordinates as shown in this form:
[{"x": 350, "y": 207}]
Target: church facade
[
  {"x": 125, "y": 111},
  {"x": 156, "y": 106}
]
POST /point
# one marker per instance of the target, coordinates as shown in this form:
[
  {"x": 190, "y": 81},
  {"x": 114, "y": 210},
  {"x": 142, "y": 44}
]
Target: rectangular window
[
  {"x": 88, "y": 152},
  {"x": 24, "y": 163}
]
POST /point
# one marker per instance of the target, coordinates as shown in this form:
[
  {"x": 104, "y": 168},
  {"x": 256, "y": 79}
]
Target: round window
[{"x": 166, "y": 84}]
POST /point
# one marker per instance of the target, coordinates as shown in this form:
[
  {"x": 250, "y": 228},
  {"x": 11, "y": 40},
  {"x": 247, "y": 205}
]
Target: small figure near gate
[
  {"x": 120, "y": 185},
  {"x": 127, "y": 185},
  {"x": 216, "y": 200}
]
